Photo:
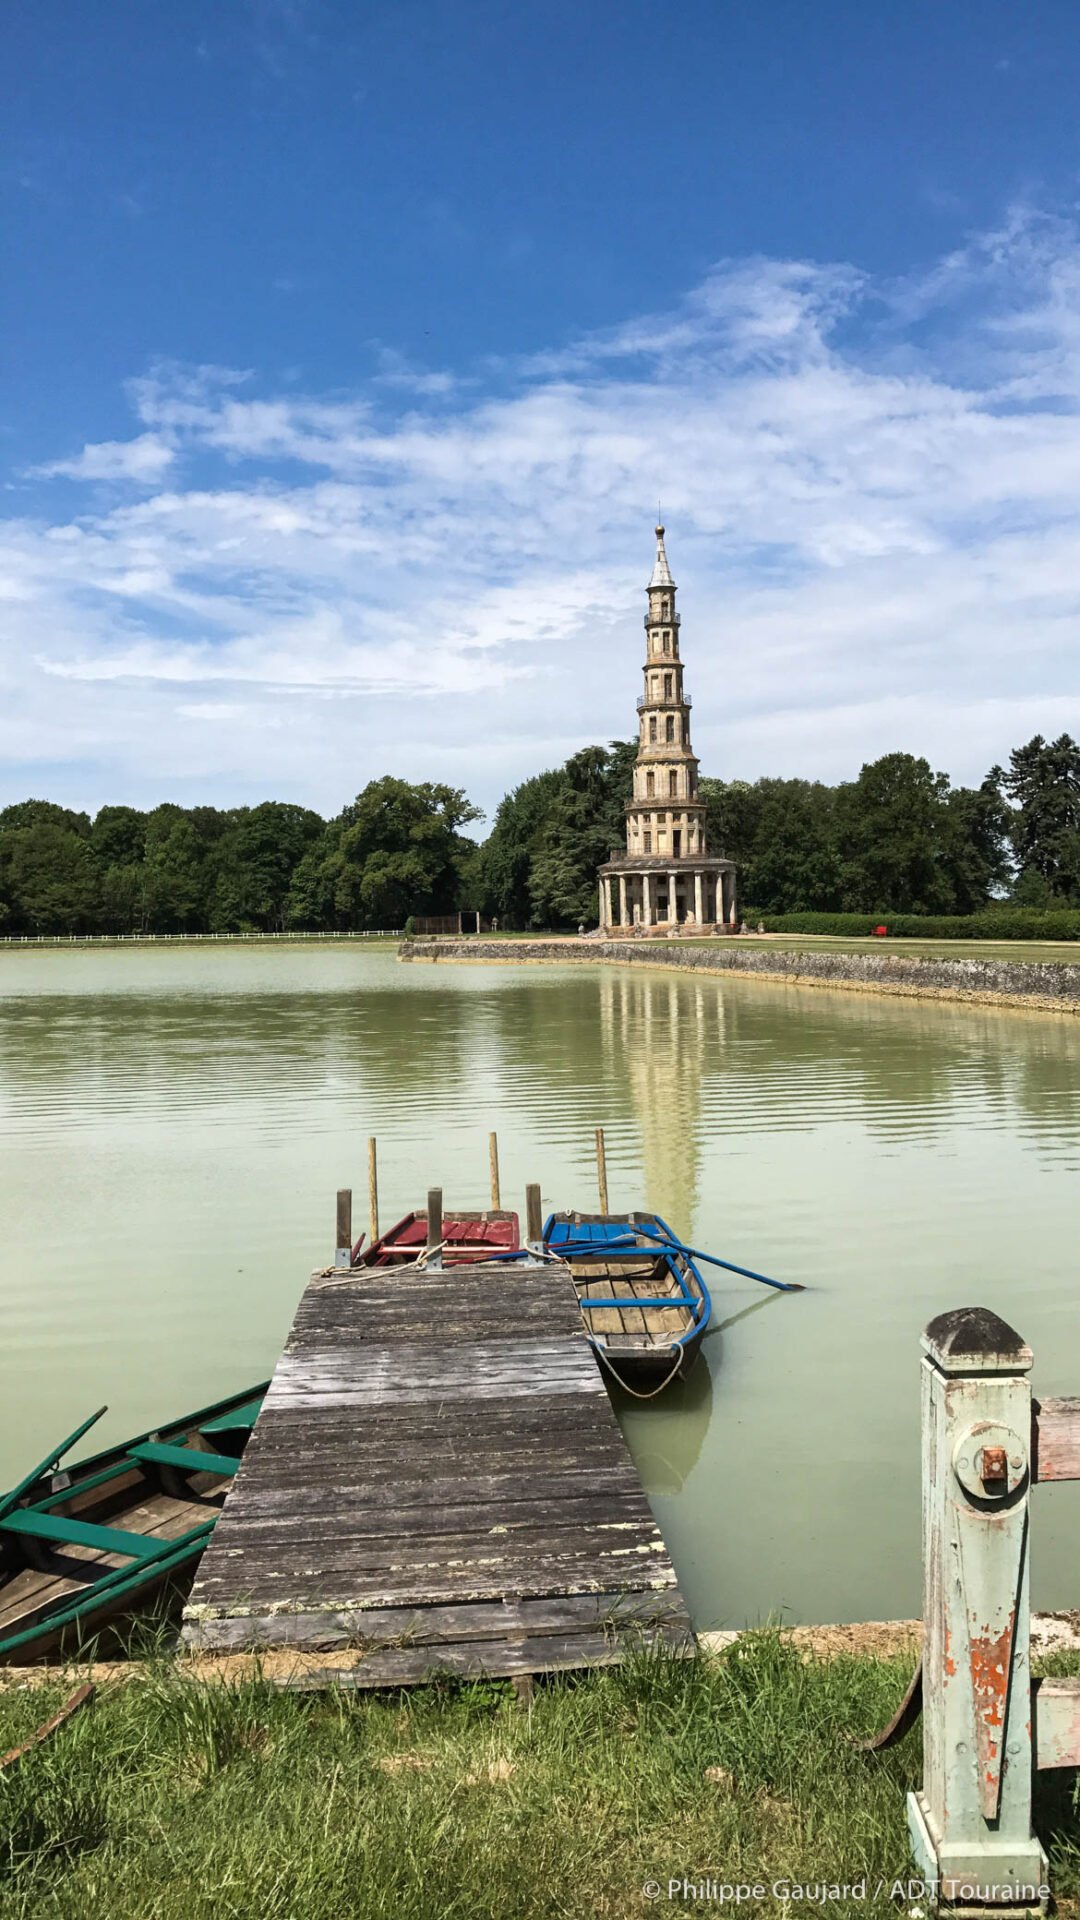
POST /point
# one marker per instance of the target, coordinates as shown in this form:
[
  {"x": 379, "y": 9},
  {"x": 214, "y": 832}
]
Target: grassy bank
[{"x": 167, "y": 1800}]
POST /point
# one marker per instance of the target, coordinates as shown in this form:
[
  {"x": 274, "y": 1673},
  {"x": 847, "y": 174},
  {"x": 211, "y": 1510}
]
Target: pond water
[{"x": 174, "y": 1123}]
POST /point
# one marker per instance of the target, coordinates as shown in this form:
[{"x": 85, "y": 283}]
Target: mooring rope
[{"x": 633, "y": 1391}]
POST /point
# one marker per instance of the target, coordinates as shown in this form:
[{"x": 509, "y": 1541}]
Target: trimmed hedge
[{"x": 996, "y": 923}]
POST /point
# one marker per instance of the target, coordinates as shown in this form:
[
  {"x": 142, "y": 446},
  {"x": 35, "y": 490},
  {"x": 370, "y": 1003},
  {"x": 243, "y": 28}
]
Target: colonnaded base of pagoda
[{"x": 666, "y": 930}]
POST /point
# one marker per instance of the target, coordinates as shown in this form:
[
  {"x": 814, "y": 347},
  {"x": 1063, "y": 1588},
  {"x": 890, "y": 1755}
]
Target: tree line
[{"x": 897, "y": 839}]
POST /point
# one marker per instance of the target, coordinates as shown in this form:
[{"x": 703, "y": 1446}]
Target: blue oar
[
  {"x": 782, "y": 1286},
  {"x": 677, "y": 1246}
]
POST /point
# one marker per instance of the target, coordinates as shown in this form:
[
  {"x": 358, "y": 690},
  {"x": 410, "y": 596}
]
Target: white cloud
[
  {"x": 145, "y": 459},
  {"x": 873, "y": 501}
]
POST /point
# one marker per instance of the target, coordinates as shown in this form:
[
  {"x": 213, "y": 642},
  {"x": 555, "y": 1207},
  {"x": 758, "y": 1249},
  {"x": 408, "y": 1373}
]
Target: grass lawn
[{"x": 170, "y": 1800}]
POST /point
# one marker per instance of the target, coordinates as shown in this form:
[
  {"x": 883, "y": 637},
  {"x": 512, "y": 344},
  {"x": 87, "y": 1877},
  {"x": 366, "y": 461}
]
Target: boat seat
[
  {"x": 159, "y": 1453},
  {"x": 79, "y": 1533},
  {"x": 238, "y": 1419}
]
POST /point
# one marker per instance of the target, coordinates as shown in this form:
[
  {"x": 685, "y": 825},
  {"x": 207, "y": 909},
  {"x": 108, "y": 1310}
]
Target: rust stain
[
  {"x": 990, "y": 1656},
  {"x": 950, "y": 1663}
]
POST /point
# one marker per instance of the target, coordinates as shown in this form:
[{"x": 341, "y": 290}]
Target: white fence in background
[{"x": 172, "y": 939}]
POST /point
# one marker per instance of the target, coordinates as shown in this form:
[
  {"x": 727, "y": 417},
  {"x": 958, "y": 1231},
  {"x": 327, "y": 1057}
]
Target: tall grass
[{"x": 174, "y": 1800}]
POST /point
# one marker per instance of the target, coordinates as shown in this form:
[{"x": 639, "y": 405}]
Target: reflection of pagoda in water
[{"x": 657, "y": 1031}]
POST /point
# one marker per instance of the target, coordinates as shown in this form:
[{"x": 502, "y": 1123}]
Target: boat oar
[
  {"x": 629, "y": 1242},
  {"x": 782, "y": 1286},
  {"x": 9, "y": 1500}
]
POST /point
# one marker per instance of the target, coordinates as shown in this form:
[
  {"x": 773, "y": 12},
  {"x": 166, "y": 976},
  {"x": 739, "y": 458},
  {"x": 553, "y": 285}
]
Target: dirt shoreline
[
  {"x": 859, "y": 1640},
  {"x": 1037, "y": 986}
]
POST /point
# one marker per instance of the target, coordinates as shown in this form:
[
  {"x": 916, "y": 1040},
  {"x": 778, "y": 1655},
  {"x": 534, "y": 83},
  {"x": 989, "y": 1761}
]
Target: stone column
[
  {"x": 699, "y": 909},
  {"x": 603, "y": 921},
  {"x": 646, "y": 899},
  {"x": 672, "y": 908},
  {"x": 623, "y": 918}
]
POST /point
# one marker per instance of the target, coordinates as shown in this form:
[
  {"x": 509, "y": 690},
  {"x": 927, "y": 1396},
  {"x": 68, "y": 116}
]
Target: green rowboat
[{"x": 92, "y": 1545}]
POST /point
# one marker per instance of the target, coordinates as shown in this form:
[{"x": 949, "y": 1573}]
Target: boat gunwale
[{"x": 114, "y": 1455}]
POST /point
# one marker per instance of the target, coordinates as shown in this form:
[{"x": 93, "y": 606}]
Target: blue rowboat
[{"x": 644, "y": 1303}]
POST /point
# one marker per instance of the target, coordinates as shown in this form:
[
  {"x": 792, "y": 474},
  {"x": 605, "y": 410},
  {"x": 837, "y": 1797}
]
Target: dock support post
[
  {"x": 970, "y": 1826},
  {"x": 601, "y": 1169},
  {"x": 434, "y": 1223},
  {"x": 534, "y": 1222},
  {"x": 373, "y": 1192},
  {"x": 343, "y": 1231},
  {"x": 493, "y": 1157}
]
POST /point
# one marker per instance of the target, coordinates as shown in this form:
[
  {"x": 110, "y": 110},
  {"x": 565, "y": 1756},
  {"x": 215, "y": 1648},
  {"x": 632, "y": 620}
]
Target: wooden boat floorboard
[
  {"x": 70, "y": 1568},
  {"x": 437, "y": 1475},
  {"x": 610, "y": 1280}
]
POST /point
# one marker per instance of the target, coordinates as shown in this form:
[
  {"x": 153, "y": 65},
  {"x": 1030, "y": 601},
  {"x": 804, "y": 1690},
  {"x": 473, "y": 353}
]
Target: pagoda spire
[{"x": 661, "y": 573}]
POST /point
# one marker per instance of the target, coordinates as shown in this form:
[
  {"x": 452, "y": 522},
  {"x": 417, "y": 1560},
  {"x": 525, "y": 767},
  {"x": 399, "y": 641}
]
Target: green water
[{"x": 174, "y": 1124}]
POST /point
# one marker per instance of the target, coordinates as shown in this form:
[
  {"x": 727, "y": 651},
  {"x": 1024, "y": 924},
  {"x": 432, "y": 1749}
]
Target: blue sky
[{"x": 348, "y": 349}]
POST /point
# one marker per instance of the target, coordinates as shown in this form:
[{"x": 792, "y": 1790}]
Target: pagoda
[{"x": 667, "y": 877}]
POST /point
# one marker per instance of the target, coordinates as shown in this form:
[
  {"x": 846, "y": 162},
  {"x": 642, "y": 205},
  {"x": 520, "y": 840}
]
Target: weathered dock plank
[{"x": 437, "y": 1478}]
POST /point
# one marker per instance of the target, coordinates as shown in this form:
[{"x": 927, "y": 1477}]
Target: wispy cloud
[
  {"x": 145, "y": 459},
  {"x": 872, "y": 492}
]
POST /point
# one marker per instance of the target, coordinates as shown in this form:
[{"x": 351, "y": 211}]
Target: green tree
[
  {"x": 44, "y": 813},
  {"x": 118, "y": 837},
  {"x": 782, "y": 835},
  {"x": 732, "y": 818},
  {"x": 254, "y": 861},
  {"x": 892, "y": 834},
  {"x": 976, "y": 845},
  {"x": 584, "y": 824},
  {"x": 396, "y": 849},
  {"x": 1043, "y": 783},
  {"x": 506, "y": 857},
  {"x": 174, "y": 872},
  {"x": 48, "y": 877}
]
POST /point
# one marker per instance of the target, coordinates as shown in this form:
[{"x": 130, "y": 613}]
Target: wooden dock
[{"x": 437, "y": 1481}]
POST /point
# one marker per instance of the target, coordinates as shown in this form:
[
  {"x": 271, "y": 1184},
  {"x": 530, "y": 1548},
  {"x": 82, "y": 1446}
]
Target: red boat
[{"x": 466, "y": 1238}]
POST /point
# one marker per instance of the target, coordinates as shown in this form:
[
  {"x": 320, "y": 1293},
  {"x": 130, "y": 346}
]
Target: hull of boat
[{"x": 87, "y": 1548}]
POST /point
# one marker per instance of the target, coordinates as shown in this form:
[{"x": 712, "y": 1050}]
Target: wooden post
[
  {"x": 434, "y": 1218},
  {"x": 343, "y": 1237},
  {"x": 601, "y": 1169},
  {"x": 534, "y": 1219},
  {"x": 493, "y": 1157},
  {"x": 970, "y": 1826},
  {"x": 373, "y": 1192}
]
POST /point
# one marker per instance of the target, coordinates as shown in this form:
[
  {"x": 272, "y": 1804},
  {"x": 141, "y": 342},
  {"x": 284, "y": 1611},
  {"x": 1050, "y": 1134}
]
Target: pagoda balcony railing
[
  {"x": 664, "y": 620},
  {"x": 658, "y": 700}
]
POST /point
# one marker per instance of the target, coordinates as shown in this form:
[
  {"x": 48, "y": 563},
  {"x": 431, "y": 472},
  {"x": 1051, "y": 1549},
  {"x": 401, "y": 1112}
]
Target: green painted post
[{"x": 970, "y": 1825}]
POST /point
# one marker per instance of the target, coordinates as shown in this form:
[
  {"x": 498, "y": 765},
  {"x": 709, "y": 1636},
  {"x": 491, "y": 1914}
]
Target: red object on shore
[{"x": 881, "y": 932}]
